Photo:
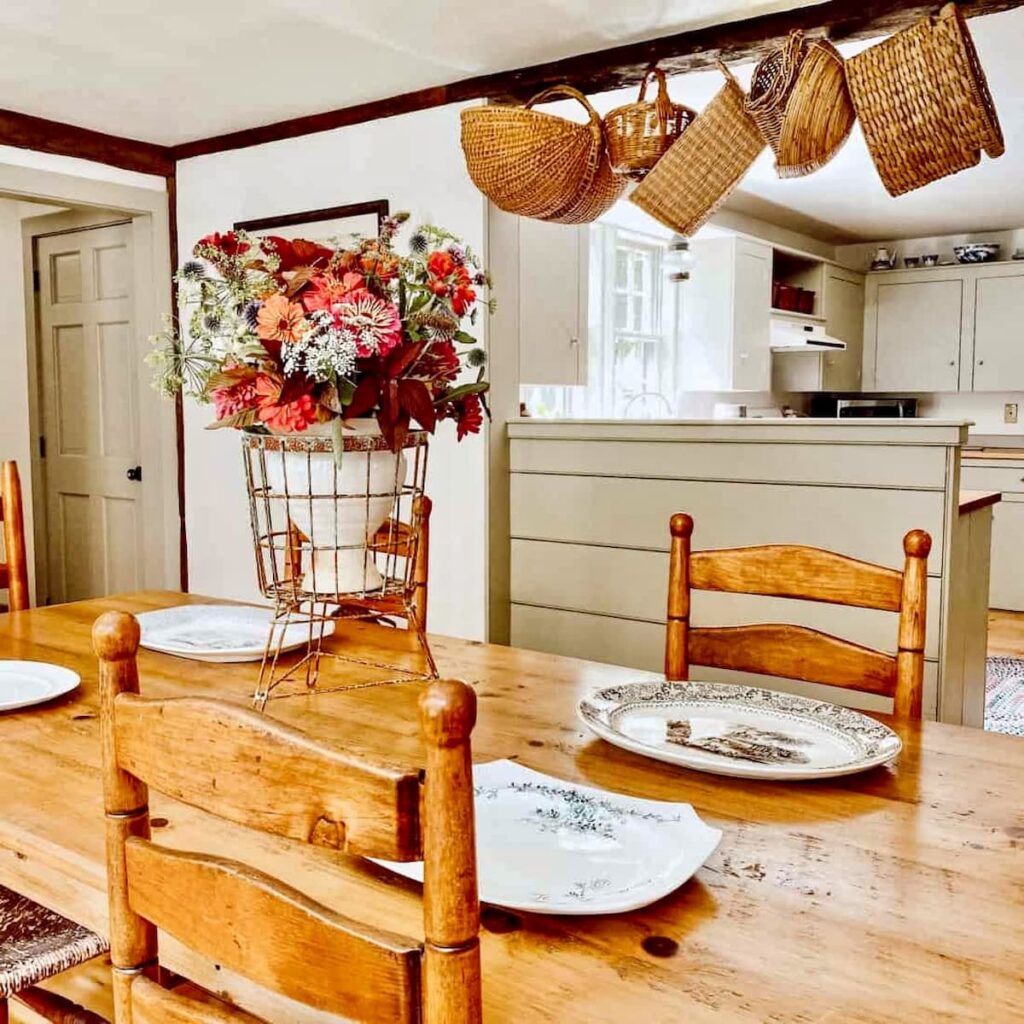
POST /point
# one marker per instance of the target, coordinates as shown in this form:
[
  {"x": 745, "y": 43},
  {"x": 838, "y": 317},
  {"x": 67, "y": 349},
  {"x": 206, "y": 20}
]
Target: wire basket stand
[{"x": 335, "y": 541}]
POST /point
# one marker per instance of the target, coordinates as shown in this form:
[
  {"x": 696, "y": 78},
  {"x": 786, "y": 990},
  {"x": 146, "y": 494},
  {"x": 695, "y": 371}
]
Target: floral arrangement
[{"x": 286, "y": 334}]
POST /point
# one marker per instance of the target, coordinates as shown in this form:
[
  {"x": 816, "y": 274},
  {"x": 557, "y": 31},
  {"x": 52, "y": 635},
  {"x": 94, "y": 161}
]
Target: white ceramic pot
[{"x": 338, "y": 508}]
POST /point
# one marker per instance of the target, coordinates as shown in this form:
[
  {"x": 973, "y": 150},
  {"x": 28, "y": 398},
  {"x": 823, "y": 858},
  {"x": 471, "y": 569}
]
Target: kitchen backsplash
[{"x": 986, "y": 410}]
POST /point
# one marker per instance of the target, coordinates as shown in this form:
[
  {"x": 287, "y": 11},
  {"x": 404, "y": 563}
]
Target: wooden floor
[{"x": 1006, "y": 634}]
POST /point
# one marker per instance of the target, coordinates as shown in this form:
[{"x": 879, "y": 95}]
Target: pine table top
[{"x": 891, "y": 895}]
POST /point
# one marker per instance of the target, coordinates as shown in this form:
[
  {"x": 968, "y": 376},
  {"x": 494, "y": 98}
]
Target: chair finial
[
  {"x": 917, "y": 544},
  {"x": 448, "y": 712},
  {"x": 681, "y": 525},
  {"x": 115, "y": 636}
]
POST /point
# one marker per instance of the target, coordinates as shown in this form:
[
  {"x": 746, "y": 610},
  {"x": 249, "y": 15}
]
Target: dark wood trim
[
  {"x": 380, "y": 207},
  {"x": 38, "y": 133},
  {"x": 179, "y": 402},
  {"x": 971, "y": 501},
  {"x": 738, "y": 41}
]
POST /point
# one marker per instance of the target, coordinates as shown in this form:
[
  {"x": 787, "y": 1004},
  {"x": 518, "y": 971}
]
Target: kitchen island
[{"x": 591, "y": 500}]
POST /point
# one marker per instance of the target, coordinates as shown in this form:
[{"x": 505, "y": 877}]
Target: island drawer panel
[
  {"x": 632, "y": 584},
  {"x": 850, "y": 464},
  {"x": 864, "y": 523},
  {"x": 1009, "y": 481},
  {"x": 641, "y": 645}
]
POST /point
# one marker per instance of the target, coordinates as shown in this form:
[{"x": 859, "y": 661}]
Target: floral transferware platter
[
  {"x": 217, "y": 632},
  {"x": 25, "y": 683},
  {"x": 554, "y": 847},
  {"x": 741, "y": 731}
]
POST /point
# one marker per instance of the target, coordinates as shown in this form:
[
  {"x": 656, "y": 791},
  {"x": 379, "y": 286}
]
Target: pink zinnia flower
[
  {"x": 230, "y": 401},
  {"x": 374, "y": 324}
]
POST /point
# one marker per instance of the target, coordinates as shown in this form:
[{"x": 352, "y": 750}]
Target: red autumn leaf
[
  {"x": 389, "y": 407},
  {"x": 414, "y": 398},
  {"x": 402, "y": 358},
  {"x": 364, "y": 398}
]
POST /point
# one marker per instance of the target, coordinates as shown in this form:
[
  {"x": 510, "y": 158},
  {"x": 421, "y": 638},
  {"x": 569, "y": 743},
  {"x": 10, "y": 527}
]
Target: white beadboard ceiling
[{"x": 173, "y": 72}]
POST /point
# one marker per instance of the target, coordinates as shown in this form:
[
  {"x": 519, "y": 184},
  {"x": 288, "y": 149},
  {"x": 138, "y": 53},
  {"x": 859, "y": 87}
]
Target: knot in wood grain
[{"x": 329, "y": 833}]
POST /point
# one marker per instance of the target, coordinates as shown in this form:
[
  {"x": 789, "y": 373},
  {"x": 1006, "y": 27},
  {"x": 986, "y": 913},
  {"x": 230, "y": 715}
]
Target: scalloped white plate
[
  {"x": 554, "y": 847},
  {"x": 25, "y": 683},
  {"x": 217, "y": 632},
  {"x": 743, "y": 731}
]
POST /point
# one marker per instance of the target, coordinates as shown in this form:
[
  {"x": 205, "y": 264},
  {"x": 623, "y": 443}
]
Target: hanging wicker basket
[
  {"x": 770, "y": 87},
  {"x": 704, "y": 164},
  {"x": 538, "y": 165},
  {"x": 924, "y": 103},
  {"x": 640, "y": 133},
  {"x": 819, "y": 113},
  {"x": 800, "y": 101}
]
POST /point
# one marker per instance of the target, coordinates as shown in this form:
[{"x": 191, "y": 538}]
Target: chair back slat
[
  {"x": 795, "y": 571},
  {"x": 152, "y": 1004},
  {"x": 794, "y": 652},
  {"x": 275, "y": 936},
  {"x": 14, "y": 570},
  {"x": 242, "y": 766}
]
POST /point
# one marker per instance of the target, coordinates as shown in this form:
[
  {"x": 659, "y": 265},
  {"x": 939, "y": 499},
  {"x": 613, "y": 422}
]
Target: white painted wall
[
  {"x": 15, "y": 436},
  {"x": 415, "y": 162}
]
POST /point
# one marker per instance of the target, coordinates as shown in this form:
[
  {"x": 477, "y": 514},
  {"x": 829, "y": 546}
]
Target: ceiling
[{"x": 175, "y": 72}]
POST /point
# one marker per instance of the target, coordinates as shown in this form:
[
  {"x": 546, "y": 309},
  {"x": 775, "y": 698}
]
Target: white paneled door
[{"x": 89, "y": 383}]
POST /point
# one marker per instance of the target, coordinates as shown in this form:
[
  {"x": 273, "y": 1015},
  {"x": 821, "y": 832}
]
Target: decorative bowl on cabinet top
[{"x": 976, "y": 252}]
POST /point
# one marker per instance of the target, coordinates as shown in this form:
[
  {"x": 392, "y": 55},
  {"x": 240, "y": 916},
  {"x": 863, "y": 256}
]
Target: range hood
[{"x": 796, "y": 336}]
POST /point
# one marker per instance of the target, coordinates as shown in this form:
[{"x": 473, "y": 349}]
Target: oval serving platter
[{"x": 742, "y": 731}]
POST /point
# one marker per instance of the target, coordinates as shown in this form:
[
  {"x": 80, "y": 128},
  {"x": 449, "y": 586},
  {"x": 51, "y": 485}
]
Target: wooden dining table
[{"x": 893, "y": 895}]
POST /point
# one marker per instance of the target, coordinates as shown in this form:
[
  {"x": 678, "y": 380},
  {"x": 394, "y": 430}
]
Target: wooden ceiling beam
[
  {"x": 38, "y": 133},
  {"x": 735, "y": 42}
]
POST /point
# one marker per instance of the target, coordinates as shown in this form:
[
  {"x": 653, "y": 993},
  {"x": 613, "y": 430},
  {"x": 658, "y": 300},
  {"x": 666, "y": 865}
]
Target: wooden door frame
[{"x": 97, "y": 202}]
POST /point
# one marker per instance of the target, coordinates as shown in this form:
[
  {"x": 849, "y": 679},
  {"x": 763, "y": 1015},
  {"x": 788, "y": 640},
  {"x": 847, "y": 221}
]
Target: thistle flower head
[
  {"x": 418, "y": 244},
  {"x": 476, "y": 357},
  {"x": 192, "y": 270}
]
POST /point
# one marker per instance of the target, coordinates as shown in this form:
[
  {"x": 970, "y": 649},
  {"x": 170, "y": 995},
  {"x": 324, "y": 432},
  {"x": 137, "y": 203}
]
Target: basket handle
[
  {"x": 567, "y": 91},
  {"x": 663, "y": 104}
]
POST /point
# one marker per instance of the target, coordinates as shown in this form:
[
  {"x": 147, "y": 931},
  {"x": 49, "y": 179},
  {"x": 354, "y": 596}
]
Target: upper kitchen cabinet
[
  {"x": 553, "y": 263},
  {"x": 912, "y": 331},
  {"x": 955, "y": 328},
  {"x": 999, "y": 328},
  {"x": 844, "y": 319},
  {"x": 726, "y": 302}
]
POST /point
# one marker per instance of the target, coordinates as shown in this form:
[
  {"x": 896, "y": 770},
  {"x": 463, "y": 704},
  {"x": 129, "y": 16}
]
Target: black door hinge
[
  {"x": 42, "y": 446},
  {"x": 35, "y": 280}
]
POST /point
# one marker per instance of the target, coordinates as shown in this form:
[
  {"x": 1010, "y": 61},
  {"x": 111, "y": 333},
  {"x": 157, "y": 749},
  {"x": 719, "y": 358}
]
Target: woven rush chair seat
[{"x": 36, "y": 943}]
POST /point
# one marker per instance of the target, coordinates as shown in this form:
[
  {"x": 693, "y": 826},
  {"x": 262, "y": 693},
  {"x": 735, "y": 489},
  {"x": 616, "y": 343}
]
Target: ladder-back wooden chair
[
  {"x": 14, "y": 568},
  {"x": 204, "y": 752},
  {"x": 397, "y": 538},
  {"x": 798, "y": 652}
]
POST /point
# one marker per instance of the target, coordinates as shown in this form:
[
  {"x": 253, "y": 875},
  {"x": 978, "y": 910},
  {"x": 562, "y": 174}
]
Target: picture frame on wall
[{"x": 330, "y": 223}]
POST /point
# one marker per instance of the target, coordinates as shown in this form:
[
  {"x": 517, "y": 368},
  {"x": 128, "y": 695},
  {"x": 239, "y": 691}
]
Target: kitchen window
[{"x": 632, "y": 323}]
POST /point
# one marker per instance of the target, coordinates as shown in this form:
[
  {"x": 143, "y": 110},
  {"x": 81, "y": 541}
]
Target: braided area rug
[{"x": 1004, "y": 696}]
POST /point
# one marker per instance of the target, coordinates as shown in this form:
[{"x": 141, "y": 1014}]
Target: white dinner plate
[
  {"x": 24, "y": 683},
  {"x": 742, "y": 731},
  {"x": 217, "y": 632},
  {"x": 554, "y": 847}
]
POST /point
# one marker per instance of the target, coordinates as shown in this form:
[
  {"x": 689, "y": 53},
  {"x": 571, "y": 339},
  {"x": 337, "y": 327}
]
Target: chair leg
[{"x": 4, "y": 1015}]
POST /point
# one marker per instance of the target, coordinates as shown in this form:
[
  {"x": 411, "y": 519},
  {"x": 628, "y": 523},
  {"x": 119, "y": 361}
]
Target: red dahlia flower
[
  {"x": 440, "y": 263},
  {"x": 228, "y": 243},
  {"x": 469, "y": 415}
]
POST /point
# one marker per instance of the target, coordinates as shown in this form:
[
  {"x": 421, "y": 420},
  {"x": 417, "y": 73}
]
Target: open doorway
[{"x": 97, "y": 452}]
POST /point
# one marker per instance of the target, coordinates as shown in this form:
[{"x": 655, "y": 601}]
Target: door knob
[{"x": 134, "y": 474}]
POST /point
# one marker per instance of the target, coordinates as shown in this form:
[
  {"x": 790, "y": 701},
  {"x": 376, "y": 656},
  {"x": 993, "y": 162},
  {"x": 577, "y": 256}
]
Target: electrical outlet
[{"x": 1010, "y": 412}]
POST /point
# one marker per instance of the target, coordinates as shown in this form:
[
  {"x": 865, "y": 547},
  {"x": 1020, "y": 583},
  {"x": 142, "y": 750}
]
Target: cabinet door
[
  {"x": 752, "y": 295},
  {"x": 918, "y": 335},
  {"x": 844, "y": 319},
  {"x": 1006, "y": 586},
  {"x": 553, "y": 261},
  {"x": 999, "y": 333}
]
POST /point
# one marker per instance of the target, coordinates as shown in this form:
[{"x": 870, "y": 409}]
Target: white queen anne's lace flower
[{"x": 325, "y": 352}]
